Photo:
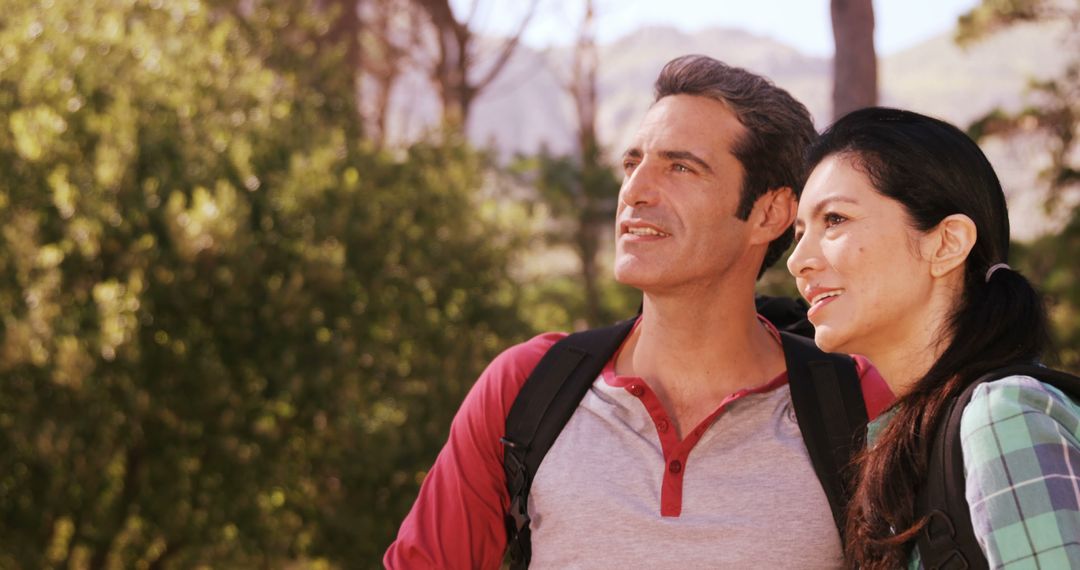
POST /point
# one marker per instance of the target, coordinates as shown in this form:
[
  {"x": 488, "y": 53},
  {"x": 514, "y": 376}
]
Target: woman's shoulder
[
  {"x": 1019, "y": 401},
  {"x": 1021, "y": 445}
]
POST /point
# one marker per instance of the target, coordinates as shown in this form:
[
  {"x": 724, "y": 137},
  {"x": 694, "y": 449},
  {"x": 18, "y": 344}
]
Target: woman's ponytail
[{"x": 934, "y": 170}]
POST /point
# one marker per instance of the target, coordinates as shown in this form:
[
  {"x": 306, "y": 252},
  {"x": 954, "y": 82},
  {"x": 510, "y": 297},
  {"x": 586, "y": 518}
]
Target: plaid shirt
[{"x": 1021, "y": 444}]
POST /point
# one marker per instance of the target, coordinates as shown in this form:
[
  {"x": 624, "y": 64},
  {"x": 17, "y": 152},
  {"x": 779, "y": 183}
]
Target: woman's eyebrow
[{"x": 830, "y": 200}]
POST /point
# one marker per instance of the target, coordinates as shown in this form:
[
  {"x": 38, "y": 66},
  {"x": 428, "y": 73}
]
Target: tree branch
[{"x": 507, "y": 51}]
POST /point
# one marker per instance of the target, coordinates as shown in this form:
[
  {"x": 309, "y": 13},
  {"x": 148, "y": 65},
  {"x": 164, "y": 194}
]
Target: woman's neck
[
  {"x": 906, "y": 357},
  {"x": 903, "y": 369}
]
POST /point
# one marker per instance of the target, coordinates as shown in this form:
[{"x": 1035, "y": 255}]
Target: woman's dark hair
[{"x": 933, "y": 170}]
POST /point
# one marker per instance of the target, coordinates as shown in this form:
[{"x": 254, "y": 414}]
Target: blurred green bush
[{"x": 231, "y": 333}]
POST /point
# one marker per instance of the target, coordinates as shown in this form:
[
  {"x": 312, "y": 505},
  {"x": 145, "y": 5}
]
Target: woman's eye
[{"x": 832, "y": 219}]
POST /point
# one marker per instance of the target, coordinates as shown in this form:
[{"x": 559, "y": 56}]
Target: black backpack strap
[
  {"x": 829, "y": 406},
  {"x": 947, "y": 542},
  {"x": 786, "y": 314},
  {"x": 546, "y": 401}
]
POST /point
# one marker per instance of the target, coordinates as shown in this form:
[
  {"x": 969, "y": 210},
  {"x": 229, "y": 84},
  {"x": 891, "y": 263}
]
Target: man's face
[{"x": 676, "y": 227}]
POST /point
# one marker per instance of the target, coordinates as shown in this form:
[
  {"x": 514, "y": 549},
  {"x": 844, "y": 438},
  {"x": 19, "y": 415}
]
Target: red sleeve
[
  {"x": 457, "y": 519},
  {"x": 876, "y": 392}
]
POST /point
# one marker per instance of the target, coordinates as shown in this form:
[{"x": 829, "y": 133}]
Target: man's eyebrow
[
  {"x": 632, "y": 153},
  {"x": 688, "y": 157}
]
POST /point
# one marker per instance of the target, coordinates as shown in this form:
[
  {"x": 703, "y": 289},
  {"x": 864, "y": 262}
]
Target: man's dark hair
[{"x": 778, "y": 129}]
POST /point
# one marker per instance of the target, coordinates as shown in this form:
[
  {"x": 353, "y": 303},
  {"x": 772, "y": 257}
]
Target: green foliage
[
  {"x": 572, "y": 188},
  {"x": 776, "y": 281},
  {"x": 578, "y": 195},
  {"x": 1050, "y": 262},
  {"x": 1054, "y": 108},
  {"x": 557, "y": 303},
  {"x": 1053, "y": 112},
  {"x": 990, "y": 16},
  {"x": 217, "y": 308}
]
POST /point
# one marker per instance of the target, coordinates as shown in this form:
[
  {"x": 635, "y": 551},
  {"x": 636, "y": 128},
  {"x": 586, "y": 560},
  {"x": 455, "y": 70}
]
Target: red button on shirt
[
  {"x": 662, "y": 426},
  {"x": 637, "y": 390},
  {"x": 675, "y": 467}
]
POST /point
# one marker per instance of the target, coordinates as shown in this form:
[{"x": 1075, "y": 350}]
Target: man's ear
[
  {"x": 773, "y": 213},
  {"x": 947, "y": 246}
]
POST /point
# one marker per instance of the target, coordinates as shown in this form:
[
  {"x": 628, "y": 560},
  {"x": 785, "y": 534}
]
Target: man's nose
[{"x": 639, "y": 187}]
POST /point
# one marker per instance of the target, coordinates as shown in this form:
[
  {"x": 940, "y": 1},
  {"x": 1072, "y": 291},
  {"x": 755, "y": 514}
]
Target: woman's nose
[{"x": 805, "y": 257}]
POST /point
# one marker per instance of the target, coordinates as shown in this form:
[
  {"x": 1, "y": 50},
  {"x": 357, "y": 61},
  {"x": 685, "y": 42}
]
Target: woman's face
[{"x": 858, "y": 262}]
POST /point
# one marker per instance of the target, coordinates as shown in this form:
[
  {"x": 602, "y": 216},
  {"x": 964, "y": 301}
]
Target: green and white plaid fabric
[{"x": 1021, "y": 443}]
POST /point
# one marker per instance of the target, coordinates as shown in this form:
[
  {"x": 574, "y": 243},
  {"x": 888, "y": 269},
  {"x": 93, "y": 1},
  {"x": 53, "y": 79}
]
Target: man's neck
[{"x": 694, "y": 352}]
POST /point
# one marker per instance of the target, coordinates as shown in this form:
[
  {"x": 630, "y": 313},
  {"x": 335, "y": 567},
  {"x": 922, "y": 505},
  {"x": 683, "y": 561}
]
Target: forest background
[{"x": 253, "y": 253}]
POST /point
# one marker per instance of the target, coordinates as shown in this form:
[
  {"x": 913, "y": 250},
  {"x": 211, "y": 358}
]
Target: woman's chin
[{"x": 829, "y": 340}]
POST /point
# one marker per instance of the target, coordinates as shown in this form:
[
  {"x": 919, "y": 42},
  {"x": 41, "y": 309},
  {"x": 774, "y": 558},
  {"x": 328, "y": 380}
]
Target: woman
[{"x": 903, "y": 235}]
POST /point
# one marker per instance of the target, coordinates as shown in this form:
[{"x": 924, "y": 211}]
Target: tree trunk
[
  {"x": 855, "y": 61},
  {"x": 582, "y": 88},
  {"x": 587, "y": 248},
  {"x": 346, "y": 30},
  {"x": 391, "y": 30}
]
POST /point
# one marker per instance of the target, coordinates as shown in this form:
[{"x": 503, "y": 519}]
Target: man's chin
[
  {"x": 631, "y": 277},
  {"x": 624, "y": 271}
]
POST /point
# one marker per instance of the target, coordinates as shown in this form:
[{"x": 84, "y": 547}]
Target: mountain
[{"x": 526, "y": 106}]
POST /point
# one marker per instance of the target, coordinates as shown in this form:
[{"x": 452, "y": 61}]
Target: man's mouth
[
  {"x": 645, "y": 231},
  {"x": 642, "y": 228}
]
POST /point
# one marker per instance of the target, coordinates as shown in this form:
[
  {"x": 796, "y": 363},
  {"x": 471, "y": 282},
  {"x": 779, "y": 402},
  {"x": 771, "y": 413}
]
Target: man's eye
[
  {"x": 681, "y": 168},
  {"x": 627, "y": 166}
]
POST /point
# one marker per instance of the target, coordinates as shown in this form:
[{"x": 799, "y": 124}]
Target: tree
[
  {"x": 392, "y": 32},
  {"x": 855, "y": 60},
  {"x": 457, "y": 47},
  {"x": 1056, "y": 108},
  {"x": 315, "y": 43},
  {"x": 1054, "y": 114},
  {"x": 580, "y": 190},
  {"x": 595, "y": 190},
  {"x": 218, "y": 309},
  {"x": 344, "y": 35}
]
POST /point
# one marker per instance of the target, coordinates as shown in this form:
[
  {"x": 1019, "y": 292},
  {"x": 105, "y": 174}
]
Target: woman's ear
[{"x": 947, "y": 246}]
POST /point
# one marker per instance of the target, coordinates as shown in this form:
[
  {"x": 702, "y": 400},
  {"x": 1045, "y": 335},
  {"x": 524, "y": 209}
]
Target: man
[{"x": 684, "y": 452}]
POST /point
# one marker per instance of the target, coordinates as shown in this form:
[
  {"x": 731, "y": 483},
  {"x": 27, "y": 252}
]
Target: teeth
[
  {"x": 645, "y": 232},
  {"x": 818, "y": 298}
]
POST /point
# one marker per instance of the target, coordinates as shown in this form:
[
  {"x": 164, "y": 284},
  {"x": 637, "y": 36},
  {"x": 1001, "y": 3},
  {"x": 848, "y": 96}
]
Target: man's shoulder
[
  {"x": 503, "y": 378},
  {"x": 519, "y": 360}
]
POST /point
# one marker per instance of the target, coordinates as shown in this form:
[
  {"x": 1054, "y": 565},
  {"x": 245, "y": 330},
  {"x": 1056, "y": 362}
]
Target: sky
[{"x": 802, "y": 24}]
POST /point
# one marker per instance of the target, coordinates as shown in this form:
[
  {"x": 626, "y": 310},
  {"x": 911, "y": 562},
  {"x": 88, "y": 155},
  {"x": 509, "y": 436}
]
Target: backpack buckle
[
  {"x": 939, "y": 526},
  {"x": 940, "y": 534},
  {"x": 516, "y": 475},
  {"x": 518, "y": 514}
]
